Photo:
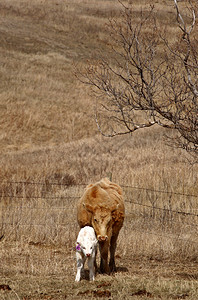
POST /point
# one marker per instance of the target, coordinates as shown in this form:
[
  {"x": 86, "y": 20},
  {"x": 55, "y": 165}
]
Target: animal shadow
[
  {"x": 121, "y": 270},
  {"x": 118, "y": 270},
  {"x": 85, "y": 273}
]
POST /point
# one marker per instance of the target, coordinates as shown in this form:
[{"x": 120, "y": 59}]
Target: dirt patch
[
  {"x": 5, "y": 287},
  {"x": 142, "y": 293},
  {"x": 102, "y": 294}
]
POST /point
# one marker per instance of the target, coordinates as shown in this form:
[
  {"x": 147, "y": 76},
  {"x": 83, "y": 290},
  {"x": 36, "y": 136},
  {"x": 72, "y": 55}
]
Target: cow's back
[{"x": 102, "y": 194}]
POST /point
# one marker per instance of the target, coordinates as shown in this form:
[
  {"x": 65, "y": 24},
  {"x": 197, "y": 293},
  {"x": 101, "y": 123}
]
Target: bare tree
[{"x": 150, "y": 77}]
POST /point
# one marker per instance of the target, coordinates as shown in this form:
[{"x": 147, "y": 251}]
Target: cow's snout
[
  {"x": 102, "y": 238},
  {"x": 88, "y": 254}
]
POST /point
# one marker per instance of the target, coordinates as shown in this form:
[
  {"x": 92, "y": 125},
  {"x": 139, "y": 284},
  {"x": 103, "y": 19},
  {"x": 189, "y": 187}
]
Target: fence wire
[
  {"x": 85, "y": 184},
  {"x": 45, "y": 195},
  {"x": 7, "y": 195}
]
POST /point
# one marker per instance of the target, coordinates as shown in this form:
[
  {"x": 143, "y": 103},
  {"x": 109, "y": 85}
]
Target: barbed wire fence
[{"x": 26, "y": 203}]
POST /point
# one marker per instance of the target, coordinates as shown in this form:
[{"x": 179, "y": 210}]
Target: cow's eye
[{"x": 95, "y": 220}]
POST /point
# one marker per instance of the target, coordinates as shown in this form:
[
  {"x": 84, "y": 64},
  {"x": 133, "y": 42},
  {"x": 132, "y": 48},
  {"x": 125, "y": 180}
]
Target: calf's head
[{"x": 87, "y": 247}]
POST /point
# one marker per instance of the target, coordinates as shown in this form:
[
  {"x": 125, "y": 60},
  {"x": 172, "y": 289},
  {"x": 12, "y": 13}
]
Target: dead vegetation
[{"x": 50, "y": 148}]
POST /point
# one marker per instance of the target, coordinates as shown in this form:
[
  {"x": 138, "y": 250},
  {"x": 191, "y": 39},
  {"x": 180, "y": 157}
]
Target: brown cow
[{"x": 102, "y": 207}]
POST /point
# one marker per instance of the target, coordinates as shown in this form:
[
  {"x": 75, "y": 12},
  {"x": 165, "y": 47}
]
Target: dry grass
[{"x": 48, "y": 136}]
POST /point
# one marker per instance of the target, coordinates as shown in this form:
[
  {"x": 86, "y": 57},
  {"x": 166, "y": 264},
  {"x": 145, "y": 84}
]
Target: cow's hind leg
[{"x": 112, "y": 265}]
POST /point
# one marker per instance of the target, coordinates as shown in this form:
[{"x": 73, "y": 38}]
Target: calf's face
[{"x": 87, "y": 247}]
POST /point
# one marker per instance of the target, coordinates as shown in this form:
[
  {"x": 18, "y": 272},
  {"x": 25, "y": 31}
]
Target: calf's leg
[
  {"x": 91, "y": 268},
  {"x": 80, "y": 265}
]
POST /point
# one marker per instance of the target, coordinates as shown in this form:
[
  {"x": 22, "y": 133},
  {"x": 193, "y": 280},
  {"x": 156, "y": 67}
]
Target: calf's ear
[{"x": 78, "y": 246}]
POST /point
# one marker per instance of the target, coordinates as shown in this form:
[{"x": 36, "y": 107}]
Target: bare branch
[{"x": 150, "y": 79}]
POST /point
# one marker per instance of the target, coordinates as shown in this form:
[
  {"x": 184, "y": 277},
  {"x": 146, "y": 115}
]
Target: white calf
[{"x": 86, "y": 247}]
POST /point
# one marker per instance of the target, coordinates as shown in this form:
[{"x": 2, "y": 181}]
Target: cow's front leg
[
  {"x": 95, "y": 263},
  {"x": 104, "y": 267},
  {"x": 112, "y": 253}
]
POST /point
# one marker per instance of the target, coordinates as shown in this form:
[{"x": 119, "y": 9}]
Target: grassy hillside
[
  {"x": 42, "y": 103},
  {"x": 50, "y": 148},
  {"x": 46, "y": 112}
]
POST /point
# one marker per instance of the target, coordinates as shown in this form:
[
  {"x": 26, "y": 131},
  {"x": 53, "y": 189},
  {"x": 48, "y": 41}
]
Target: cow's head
[{"x": 101, "y": 221}]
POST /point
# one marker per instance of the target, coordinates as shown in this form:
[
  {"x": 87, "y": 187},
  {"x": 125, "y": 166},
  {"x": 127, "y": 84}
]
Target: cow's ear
[
  {"x": 88, "y": 207},
  {"x": 115, "y": 208}
]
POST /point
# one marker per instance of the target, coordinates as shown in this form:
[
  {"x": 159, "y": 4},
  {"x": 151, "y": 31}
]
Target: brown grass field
[{"x": 50, "y": 149}]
